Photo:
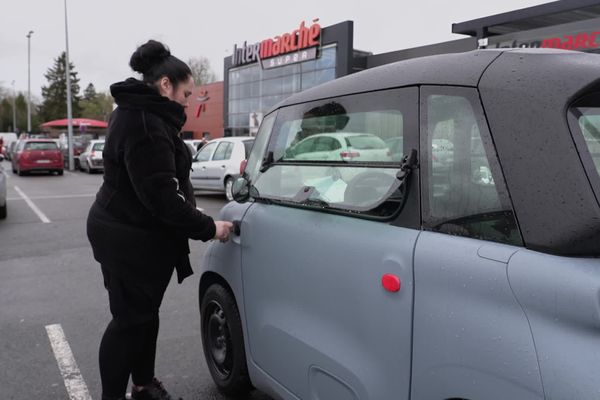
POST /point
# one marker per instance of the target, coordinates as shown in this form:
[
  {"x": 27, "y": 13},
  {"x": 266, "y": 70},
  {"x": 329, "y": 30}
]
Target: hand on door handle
[{"x": 237, "y": 228}]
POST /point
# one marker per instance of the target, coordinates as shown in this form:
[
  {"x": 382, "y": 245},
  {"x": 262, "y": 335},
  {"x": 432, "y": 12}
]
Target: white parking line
[
  {"x": 32, "y": 205},
  {"x": 65, "y": 196},
  {"x": 76, "y": 387}
]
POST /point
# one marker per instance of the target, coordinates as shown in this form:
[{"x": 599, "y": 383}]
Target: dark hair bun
[{"x": 148, "y": 55}]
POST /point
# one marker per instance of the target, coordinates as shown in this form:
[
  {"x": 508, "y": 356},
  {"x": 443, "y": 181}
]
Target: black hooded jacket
[{"x": 145, "y": 210}]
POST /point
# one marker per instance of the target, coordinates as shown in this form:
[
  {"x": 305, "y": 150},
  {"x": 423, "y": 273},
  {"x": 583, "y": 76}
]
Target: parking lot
[{"x": 50, "y": 283}]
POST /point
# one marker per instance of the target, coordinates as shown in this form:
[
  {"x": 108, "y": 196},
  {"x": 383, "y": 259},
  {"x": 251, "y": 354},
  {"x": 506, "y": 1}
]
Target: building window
[{"x": 254, "y": 90}]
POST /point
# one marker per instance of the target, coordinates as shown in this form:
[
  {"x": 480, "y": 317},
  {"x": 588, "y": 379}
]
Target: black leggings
[{"x": 124, "y": 351}]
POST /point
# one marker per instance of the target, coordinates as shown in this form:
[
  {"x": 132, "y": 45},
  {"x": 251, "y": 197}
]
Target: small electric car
[{"x": 467, "y": 268}]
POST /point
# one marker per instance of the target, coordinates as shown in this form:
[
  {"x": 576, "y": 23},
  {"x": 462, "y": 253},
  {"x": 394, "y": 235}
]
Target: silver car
[
  {"x": 218, "y": 163},
  {"x": 469, "y": 268},
  {"x": 91, "y": 159}
]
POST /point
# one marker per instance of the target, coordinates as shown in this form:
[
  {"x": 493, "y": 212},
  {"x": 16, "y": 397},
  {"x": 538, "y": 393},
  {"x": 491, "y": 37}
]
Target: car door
[
  {"x": 199, "y": 174},
  {"x": 319, "y": 320},
  {"x": 472, "y": 339},
  {"x": 217, "y": 168}
]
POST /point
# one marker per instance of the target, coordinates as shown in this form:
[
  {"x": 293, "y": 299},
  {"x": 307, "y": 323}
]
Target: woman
[{"x": 143, "y": 215}]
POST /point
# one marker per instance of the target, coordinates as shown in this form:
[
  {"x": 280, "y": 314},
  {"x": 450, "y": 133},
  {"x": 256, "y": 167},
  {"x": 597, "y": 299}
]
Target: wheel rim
[
  {"x": 218, "y": 339},
  {"x": 229, "y": 189}
]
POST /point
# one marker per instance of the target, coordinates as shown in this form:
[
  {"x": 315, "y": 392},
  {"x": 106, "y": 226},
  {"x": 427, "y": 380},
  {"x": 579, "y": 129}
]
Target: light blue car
[{"x": 471, "y": 272}]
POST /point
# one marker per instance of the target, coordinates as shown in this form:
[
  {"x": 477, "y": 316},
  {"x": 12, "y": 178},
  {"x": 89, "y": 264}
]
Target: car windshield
[{"x": 41, "y": 146}]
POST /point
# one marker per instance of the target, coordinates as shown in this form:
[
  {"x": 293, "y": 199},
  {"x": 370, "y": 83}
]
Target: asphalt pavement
[{"x": 49, "y": 279}]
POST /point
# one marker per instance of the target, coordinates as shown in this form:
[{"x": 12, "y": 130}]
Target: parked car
[
  {"x": 217, "y": 164},
  {"x": 37, "y": 155},
  {"x": 344, "y": 146},
  {"x": 475, "y": 276},
  {"x": 3, "y": 206},
  {"x": 10, "y": 149},
  {"x": 90, "y": 160}
]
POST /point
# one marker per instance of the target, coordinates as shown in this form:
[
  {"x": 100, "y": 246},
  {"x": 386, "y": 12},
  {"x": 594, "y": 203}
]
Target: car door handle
[
  {"x": 203, "y": 168},
  {"x": 237, "y": 228},
  {"x": 223, "y": 166}
]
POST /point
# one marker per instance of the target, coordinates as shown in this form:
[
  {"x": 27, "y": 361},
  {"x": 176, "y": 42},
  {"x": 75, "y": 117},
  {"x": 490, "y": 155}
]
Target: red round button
[{"x": 391, "y": 282}]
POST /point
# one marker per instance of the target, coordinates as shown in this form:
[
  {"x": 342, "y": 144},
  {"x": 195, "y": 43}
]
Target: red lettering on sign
[
  {"x": 581, "y": 41},
  {"x": 294, "y": 40},
  {"x": 592, "y": 40},
  {"x": 276, "y": 46},
  {"x": 315, "y": 31},
  {"x": 266, "y": 48},
  {"x": 568, "y": 45},
  {"x": 285, "y": 43},
  {"x": 553, "y": 43}
]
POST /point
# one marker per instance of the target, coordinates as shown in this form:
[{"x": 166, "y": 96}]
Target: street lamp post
[
  {"x": 29, "y": 81},
  {"x": 69, "y": 107},
  {"x": 14, "y": 108}
]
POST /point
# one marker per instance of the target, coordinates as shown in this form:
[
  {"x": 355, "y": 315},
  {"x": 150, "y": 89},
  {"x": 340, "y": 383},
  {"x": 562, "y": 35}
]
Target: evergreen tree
[
  {"x": 98, "y": 107},
  {"x": 90, "y": 92},
  {"x": 54, "y": 105}
]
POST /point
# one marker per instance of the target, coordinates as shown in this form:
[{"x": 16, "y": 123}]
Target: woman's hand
[{"x": 224, "y": 228}]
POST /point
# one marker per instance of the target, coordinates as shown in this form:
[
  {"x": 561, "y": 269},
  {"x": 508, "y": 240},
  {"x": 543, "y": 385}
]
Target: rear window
[
  {"x": 585, "y": 124},
  {"x": 98, "y": 147},
  {"x": 365, "y": 142},
  {"x": 41, "y": 146}
]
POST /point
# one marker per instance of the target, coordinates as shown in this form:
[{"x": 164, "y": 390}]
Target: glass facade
[{"x": 254, "y": 90}]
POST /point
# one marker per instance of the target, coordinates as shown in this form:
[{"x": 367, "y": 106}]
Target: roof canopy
[
  {"x": 554, "y": 13},
  {"x": 77, "y": 122}
]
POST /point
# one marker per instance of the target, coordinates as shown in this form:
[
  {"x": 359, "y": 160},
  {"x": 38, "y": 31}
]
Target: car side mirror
[{"x": 241, "y": 190}]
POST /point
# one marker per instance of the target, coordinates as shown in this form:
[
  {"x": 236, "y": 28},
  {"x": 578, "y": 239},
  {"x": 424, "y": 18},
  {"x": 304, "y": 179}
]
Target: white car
[
  {"x": 340, "y": 146},
  {"x": 91, "y": 158},
  {"x": 217, "y": 164},
  {"x": 2, "y": 189}
]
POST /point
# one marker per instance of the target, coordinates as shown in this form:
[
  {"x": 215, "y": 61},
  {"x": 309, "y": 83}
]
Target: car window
[
  {"x": 41, "y": 146},
  {"x": 466, "y": 193},
  {"x": 205, "y": 153},
  {"x": 247, "y": 147},
  {"x": 98, "y": 146},
  {"x": 223, "y": 151},
  {"x": 585, "y": 124},
  {"x": 334, "y": 152}
]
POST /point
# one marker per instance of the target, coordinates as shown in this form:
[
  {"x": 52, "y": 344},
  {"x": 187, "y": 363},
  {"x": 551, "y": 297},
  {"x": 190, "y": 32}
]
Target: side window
[
  {"x": 465, "y": 193},
  {"x": 205, "y": 153},
  {"x": 223, "y": 151},
  {"x": 341, "y": 154}
]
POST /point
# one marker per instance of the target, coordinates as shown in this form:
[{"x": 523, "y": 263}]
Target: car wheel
[
  {"x": 60, "y": 172},
  {"x": 20, "y": 173},
  {"x": 229, "y": 189},
  {"x": 3, "y": 211},
  {"x": 77, "y": 164},
  {"x": 223, "y": 341}
]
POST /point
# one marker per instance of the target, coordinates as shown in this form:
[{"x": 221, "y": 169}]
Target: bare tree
[{"x": 201, "y": 70}]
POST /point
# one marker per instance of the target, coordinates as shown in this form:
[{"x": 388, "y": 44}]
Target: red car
[{"x": 37, "y": 155}]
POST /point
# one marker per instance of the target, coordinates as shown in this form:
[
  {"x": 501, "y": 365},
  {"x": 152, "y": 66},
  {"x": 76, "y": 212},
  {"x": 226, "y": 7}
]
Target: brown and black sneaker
[{"x": 153, "y": 391}]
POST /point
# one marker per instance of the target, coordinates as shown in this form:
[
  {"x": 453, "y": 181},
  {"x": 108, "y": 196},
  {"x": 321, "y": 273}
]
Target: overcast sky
[{"x": 103, "y": 34}]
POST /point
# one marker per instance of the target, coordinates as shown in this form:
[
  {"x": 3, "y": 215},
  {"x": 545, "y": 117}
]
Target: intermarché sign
[
  {"x": 287, "y": 48},
  {"x": 581, "y": 41}
]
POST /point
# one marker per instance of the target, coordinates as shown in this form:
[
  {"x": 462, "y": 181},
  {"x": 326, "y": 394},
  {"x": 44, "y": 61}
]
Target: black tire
[
  {"x": 3, "y": 211},
  {"x": 20, "y": 173},
  {"x": 223, "y": 341},
  {"x": 60, "y": 172}
]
